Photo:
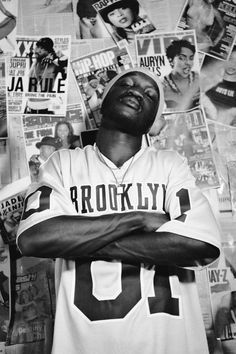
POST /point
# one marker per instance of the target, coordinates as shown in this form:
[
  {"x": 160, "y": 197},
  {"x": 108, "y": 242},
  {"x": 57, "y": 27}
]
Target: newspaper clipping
[
  {"x": 123, "y": 19},
  {"x": 4, "y": 292},
  {"x": 173, "y": 57},
  {"x": 214, "y": 23},
  {"x": 93, "y": 72},
  {"x": 10, "y": 214},
  {"x": 223, "y": 138},
  {"x": 89, "y": 25},
  {"x": 3, "y": 105},
  {"x": 218, "y": 84},
  {"x": 37, "y": 75},
  {"x": 222, "y": 282},
  {"x": 4, "y": 143},
  {"x": 232, "y": 185},
  {"x": 41, "y": 17},
  {"x": 31, "y": 323},
  {"x": 8, "y": 20},
  {"x": 46, "y": 134},
  {"x": 188, "y": 134}
]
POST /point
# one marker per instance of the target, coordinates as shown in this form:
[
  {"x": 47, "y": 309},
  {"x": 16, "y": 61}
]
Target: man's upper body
[
  {"x": 125, "y": 223},
  {"x": 47, "y": 65}
]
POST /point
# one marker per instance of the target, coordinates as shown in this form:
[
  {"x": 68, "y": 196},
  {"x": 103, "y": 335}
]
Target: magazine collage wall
[{"x": 55, "y": 102}]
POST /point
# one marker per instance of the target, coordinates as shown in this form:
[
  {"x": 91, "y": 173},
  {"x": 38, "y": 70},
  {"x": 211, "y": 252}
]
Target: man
[
  {"x": 124, "y": 222},
  {"x": 43, "y": 73},
  {"x": 46, "y": 147}
]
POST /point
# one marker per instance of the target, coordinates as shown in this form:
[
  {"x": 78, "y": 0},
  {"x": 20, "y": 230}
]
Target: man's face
[
  {"x": 40, "y": 53},
  {"x": 46, "y": 151},
  {"x": 183, "y": 62},
  {"x": 94, "y": 83},
  {"x": 131, "y": 104},
  {"x": 121, "y": 17}
]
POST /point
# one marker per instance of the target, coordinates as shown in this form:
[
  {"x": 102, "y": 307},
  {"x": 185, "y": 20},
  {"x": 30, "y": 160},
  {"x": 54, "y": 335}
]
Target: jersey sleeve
[
  {"x": 190, "y": 212},
  {"x": 48, "y": 198}
]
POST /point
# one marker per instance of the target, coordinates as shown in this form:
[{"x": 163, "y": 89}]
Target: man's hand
[
  {"x": 152, "y": 221},
  {"x": 48, "y": 59}
]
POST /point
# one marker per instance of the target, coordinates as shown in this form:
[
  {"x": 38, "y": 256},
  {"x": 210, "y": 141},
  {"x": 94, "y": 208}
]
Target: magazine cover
[
  {"x": 93, "y": 72},
  {"x": 46, "y": 134},
  {"x": 33, "y": 307},
  {"x": 173, "y": 57},
  {"x": 232, "y": 185},
  {"x": 10, "y": 214},
  {"x": 8, "y": 22},
  {"x": 218, "y": 85},
  {"x": 124, "y": 19},
  {"x": 4, "y": 292},
  {"x": 37, "y": 75},
  {"x": 4, "y": 142},
  {"x": 223, "y": 138},
  {"x": 3, "y": 104},
  {"x": 214, "y": 23},
  {"x": 45, "y": 17},
  {"x": 187, "y": 133},
  {"x": 88, "y": 24},
  {"x": 222, "y": 283}
]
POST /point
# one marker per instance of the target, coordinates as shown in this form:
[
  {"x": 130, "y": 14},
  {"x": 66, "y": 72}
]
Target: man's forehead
[{"x": 140, "y": 77}]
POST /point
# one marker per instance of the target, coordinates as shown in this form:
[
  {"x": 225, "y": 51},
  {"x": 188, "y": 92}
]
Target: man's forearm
[
  {"x": 159, "y": 248},
  {"x": 71, "y": 237}
]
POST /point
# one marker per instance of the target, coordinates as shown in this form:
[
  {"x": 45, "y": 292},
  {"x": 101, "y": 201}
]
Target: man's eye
[
  {"x": 128, "y": 83},
  {"x": 150, "y": 94}
]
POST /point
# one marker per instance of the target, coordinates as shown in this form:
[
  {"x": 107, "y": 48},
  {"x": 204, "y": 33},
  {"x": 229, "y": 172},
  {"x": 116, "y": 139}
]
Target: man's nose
[{"x": 135, "y": 92}]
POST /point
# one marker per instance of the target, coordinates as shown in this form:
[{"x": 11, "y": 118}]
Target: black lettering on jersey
[
  {"x": 150, "y": 196},
  {"x": 44, "y": 201},
  {"x": 101, "y": 197},
  {"x": 113, "y": 196},
  {"x": 163, "y": 291},
  {"x": 86, "y": 199},
  {"x": 125, "y": 198},
  {"x": 98, "y": 310},
  {"x": 142, "y": 201},
  {"x": 184, "y": 203},
  {"x": 164, "y": 197},
  {"x": 74, "y": 197}
]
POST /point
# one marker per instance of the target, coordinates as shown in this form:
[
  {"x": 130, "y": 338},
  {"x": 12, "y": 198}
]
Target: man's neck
[{"x": 117, "y": 146}]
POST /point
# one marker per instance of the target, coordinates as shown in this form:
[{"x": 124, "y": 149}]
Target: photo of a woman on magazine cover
[
  {"x": 124, "y": 18},
  {"x": 181, "y": 85}
]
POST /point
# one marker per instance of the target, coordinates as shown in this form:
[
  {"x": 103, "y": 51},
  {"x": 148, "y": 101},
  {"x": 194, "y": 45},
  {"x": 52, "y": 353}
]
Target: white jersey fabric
[{"x": 112, "y": 307}]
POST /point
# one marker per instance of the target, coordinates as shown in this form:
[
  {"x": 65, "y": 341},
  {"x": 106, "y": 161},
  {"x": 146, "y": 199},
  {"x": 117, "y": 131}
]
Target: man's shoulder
[
  {"x": 72, "y": 154},
  {"x": 166, "y": 155}
]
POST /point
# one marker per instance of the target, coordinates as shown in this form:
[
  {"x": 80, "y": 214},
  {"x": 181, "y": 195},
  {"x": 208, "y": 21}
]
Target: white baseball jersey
[{"x": 113, "y": 307}]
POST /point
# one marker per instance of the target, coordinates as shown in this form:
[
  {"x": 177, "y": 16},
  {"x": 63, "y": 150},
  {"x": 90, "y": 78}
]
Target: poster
[
  {"x": 37, "y": 75},
  {"x": 214, "y": 23},
  {"x": 92, "y": 73},
  {"x": 173, "y": 58}
]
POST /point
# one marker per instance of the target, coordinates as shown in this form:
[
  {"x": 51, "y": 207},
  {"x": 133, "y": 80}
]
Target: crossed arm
[{"x": 129, "y": 237}]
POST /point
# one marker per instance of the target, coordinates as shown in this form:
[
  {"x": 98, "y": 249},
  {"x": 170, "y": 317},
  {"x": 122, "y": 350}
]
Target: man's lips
[{"x": 132, "y": 102}]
